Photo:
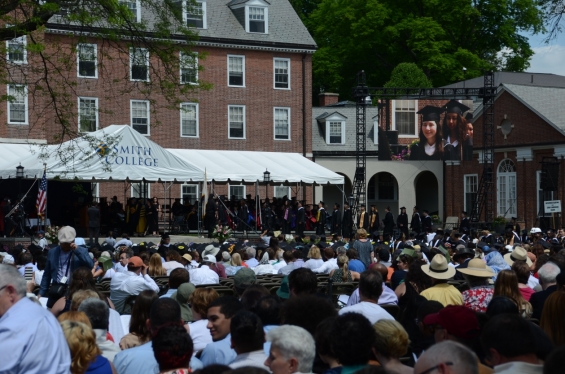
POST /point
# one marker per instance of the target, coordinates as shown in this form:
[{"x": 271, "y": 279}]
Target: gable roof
[{"x": 506, "y": 77}]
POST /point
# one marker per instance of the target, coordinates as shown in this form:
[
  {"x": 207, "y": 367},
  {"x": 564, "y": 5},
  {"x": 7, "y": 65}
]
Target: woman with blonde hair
[
  {"x": 507, "y": 285},
  {"x": 235, "y": 264},
  {"x": 315, "y": 258},
  {"x": 75, "y": 316},
  {"x": 85, "y": 354},
  {"x": 390, "y": 344},
  {"x": 156, "y": 266},
  {"x": 342, "y": 273}
]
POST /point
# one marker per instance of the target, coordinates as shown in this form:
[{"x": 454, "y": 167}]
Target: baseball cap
[
  {"x": 284, "y": 290},
  {"x": 66, "y": 234},
  {"x": 8, "y": 260},
  {"x": 457, "y": 320},
  {"x": 136, "y": 261},
  {"x": 209, "y": 258},
  {"x": 244, "y": 277}
]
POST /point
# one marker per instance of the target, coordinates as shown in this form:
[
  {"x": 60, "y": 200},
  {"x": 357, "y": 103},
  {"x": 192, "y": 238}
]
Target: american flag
[{"x": 41, "y": 202}]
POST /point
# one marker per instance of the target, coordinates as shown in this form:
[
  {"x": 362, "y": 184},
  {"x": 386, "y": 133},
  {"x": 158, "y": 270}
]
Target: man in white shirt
[
  {"x": 284, "y": 258},
  {"x": 247, "y": 338},
  {"x": 331, "y": 263},
  {"x": 122, "y": 265},
  {"x": 98, "y": 313},
  {"x": 252, "y": 262},
  {"x": 123, "y": 241},
  {"x": 370, "y": 289},
  {"x": 204, "y": 275},
  {"x": 42, "y": 243},
  {"x": 27, "y": 259},
  {"x": 131, "y": 282}
]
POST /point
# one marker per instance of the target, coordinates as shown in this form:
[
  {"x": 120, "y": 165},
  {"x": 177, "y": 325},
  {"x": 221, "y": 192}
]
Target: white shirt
[
  {"x": 120, "y": 268},
  {"x": 279, "y": 265},
  {"x": 200, "y": 334},
  {"x": 203, "y": 275},
  {"x": 109, "y": 348},
  {"x": 313, "y": 263},
  {"x": 126, "y": 284},
  {"x": 264, "y": 269},
  {"x": 123, "y": 241},
  {"x": 430, "y": 149},
  {"x": 254, "y": 359},
  {"x": 371, "y": 311},
  {"x": 532, "y": 282},
  {"x": 172, "y": 265},
  {"x": 387, "y": 297},
  {"x": 431, "y": 237},
  {"x": 327, "y": 266},
  {"x": 518, "y": 368},
  {"x": 42, "y": 243}
]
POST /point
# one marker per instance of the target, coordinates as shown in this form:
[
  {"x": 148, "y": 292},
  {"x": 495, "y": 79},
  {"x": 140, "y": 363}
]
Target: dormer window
[
  {"x": 333, "y": 125},
  {"x": 195, "y": 14},
  {"x": 252, "y": 14}
]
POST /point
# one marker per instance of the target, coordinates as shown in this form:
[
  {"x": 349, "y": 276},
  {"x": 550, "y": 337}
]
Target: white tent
[
  {"x": 116, "y": 152},
  {"x": 248, "y": 166}
]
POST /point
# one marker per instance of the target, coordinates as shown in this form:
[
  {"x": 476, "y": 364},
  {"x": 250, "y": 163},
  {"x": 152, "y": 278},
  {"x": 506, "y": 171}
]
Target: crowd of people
[{"x": 455, "y": 301}]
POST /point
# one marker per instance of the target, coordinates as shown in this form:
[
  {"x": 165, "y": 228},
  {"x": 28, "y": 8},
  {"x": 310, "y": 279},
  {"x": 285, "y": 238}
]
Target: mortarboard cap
[
  {"x": 430, "y": 113},
  {"x": 454, "y": 106}
]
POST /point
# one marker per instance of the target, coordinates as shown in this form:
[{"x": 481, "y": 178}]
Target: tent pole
[{"x": 256, "y": 202}]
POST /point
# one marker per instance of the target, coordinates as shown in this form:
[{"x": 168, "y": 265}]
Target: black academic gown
[
  {"x": 300, "y": 221},
  {"x": 243, "y": 215},
  {"x": 465, "y": 223},
  {"x": 366, "y": 221},
  {"x": 347, "y": 223},
  {"x": 388, "y": 223},
  {"x": 336, "y": 222},
  {"x": 416, "y": 223},
  {"x": 427, "y": 223},
  {"x": 402, "y": 223},
  {"x": 321, "y": 224},
  {"x": 374, "y": 222}
]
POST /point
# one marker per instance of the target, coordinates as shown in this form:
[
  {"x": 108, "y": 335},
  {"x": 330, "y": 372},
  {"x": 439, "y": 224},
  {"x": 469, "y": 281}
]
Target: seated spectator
[
  {"x": 247, "y": 338},
  {"x": 314, "y": 258},
  {"x": 98, "y": 314},
  {"x": 265, "y": 266},
  {"x": 205, "y": 275},
  {"x": 220, "y": 313},
  {"x": 400, "y": 266},
  {"x": 199, "y": 302},
  {"x": 124, "y": 241},
  {"x": 352, "y": 338},
  {"x": 507, "y": 342},
  {"x": 391, "y": 343},
  {"x": 323, "y": 346},
  {"x": 552, "y": 318},
  {"x": 477, "y": 276},
  {"x": 423, "y": 338},
  {"x": 156, "y": 268},
  {"x": 252, "y": 262},
  {"x": 555, "y": 362},
  {"x": 501, "y": 305},
  {"x": 370, "y": 289},
  {"x": 297, "y": 263},
  {"x": 342, "y": 274},
  {"x": 292, "y": 350},
  {"x": 284, "y": 259},
  {"x": 138, "y": 332},
  {"x": 177, "y": 277},
  {"x": 172, "y": 261},
  {"x": 354, "y": 263},
  {"x": 441, "y": 291},
  {"x": 172, "y": 348},
  {"x": 331, "y": 260},
  {"x": 507, "y": 285},
  {"x": 519, "y": 254},
  {"x": 86, "y": 356},
  {"x": 547, "y": 278},
  {"x": 28, "y": 267},
  {"x": 243, "y": 279},
  {"x": 522, "y": 271},
  {"x": 132, "y": 282},
  {"x": 302, "y": 281},
  {"x": 447, "y": 357},
  {"x": 235, "y": 264},
  {"x": 181, "y": 296},
  {"x": 306, "y": 311}
]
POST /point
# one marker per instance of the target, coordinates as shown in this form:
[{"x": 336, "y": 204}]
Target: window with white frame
[
  {"x": 17, "y": 104},
  {"x": 188, "y": 68},
  {"x": 236, "y": 119},
  {"x": 405, "y": 118},
  {"x": 542, "y": 196},
  {"x": 139, "y": 112},
  {"x": 189, "y": 120},
  {"x": 87, "y": 61},
  {"x": 236, "y": 71},
  {"x": 139, "y": 64},
  {"x": 87, "y": 114},
  {"x": 16, "y": 50},
  {"x": 335, "y": 132},
  {"x": 256, "y": 19},
  {"x": 282, "y": 73},
  {"x": 470, "y": 188},
  {"x": 189, "y": 193},
  {"x": 134, "y": 7},
  {"x": 195, "y": 14},
  {"x": 95, "y": 191},
  {"x": 282, "y": 191},
  {"x": 282, "y": 123},
  {"x": 237, "y": 192},
  {"x": 140, "y": 190}
]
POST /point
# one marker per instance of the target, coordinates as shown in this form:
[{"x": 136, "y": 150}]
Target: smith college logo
[{"x": 126, "y": 155}]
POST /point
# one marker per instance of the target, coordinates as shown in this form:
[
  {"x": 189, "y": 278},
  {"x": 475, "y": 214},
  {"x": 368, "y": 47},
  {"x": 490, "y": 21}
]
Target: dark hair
[
  {"x": 306, "y": 311},
  {"x": 288, "y": 256},
  {"x": 509, "y": 334},
  {"x": 164, "y": 311},
  {"x": 303, "y": 281},
  {"x": 177, "y": 277},
  {"x": 140, "y": 314},
  {"x": 348, "y": 351},
  {"x": 247, "y": 332},
  {"x": 501, "y": 305},
  {"x": 522, "y": 271},
  {"x": 297, "y": 255},
  {"x": 81, "y": 279},
  {"x": 251, "y": 296},
  {"x": 352, "y": 254},
  {"x": 555, "y": 361},
  {"x": 274, "y": 243},
  {"x": 229, "y": 305},
  {"x": 540, "y": 261},
  {"x": 214, "y": 369},
  {"x": 173, "y": 255},
  {"x": 323, "y": 337},
  {"x": 461, "y": 128},
  {"x": 172, "y": 347},
  {"x": 269, "y": 310},
  {"x": 371, "y": 284},
  {"x": 428, "y": 307},
  {"x": 41, "y": 262},
  {"x": 417, "y": 276},
  {"x": 25, "y": 258},
  {"x": 271, "y": 253}
]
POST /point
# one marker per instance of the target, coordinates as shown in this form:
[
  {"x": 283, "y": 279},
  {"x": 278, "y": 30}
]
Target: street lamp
[
  {"x": 19, "y": 171},
  {"x": 351, "y": 200},
  {"x": 266, "y": 179}
]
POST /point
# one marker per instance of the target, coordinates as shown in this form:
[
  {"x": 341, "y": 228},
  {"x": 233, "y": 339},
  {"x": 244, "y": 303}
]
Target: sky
[{"x": 548, "y": 58}]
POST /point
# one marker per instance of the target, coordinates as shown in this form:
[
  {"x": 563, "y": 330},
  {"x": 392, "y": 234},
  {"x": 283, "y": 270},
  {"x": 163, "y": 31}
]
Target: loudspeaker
[{"x": 549, "y": 176}]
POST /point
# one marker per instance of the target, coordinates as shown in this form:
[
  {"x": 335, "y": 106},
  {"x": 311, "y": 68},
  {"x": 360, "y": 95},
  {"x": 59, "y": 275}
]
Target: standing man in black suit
[
  {"x": 321, "y": 219},
  {"x": 388, "y": 222},
  {"x": 416, "y": 222},
  {"x": 211, "y": 216},
  {"x": 363, "y": 221},
  {"x": 336, "y": 220},
  {"x": 402, "y": 221},
  {"x": 347, "y": 222},
  {"x": 465, "y": 223},
  {"x": 374, "y": 220},
  {"x": 427, "y": 221},
  {"x": 243, "y": 215},
  {"x": 300, "y": 219}
]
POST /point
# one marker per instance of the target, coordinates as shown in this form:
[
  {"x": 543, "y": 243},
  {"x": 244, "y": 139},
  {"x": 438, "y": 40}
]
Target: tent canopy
[
  {"x": 116, "y": 152},
  {"x": 249, "y": 166}
]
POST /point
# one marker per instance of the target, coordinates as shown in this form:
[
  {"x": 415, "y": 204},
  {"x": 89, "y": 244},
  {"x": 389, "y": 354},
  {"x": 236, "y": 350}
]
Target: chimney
[{"x": 328, "y": 98}]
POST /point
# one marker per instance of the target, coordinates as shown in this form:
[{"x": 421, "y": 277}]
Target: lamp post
[
  {"x": 266, "y": 179},
  {"x": 351, "y": 200},
  {"x": 19, "y": 177}
]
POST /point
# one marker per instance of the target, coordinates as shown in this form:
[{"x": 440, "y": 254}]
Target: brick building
[
  {"x": 530, "y": 109},
  {"x": 256, "y": 54}
]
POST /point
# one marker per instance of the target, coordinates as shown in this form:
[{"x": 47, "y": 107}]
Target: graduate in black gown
[
  {"x": 346, "y": 222},
  {"x": 457, "y": 135},
  {"x": 402, "y": 221},
  {"x": 300, "y": 219},
  {"x": 430, "y": 146},
  {"x": 336, "y": 220}
]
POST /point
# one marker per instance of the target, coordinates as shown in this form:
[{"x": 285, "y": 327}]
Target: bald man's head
[{"x": 381, "y": 269}]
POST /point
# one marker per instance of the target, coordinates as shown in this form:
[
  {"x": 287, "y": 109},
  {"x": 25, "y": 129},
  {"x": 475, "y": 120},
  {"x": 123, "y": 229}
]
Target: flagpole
[{"x": 45, "y": 215}]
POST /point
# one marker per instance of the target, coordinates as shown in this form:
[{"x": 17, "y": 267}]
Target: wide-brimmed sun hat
[
  {"x": 438, "y": 268},
  {"x": 477, "y": 268},
  {"x": 518, "y": 254}
]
